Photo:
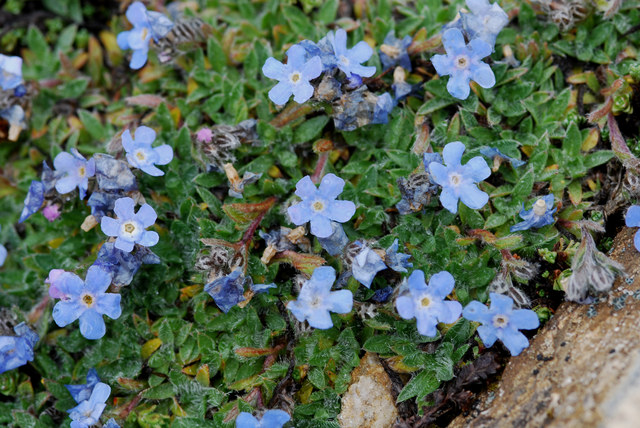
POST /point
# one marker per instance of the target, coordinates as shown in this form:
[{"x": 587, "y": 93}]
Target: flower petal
[
  {"x": 164, "y": 153},
  {"x": 152, "y": 170},
  {"x": 312, "y": 68},
  {"x": 340, "y": 301},
  {"x": 524, "y": 319},
  {"x": 500, "y": 304},
  {"x": 473, "y": 197},
  {"x": 442, "y": 64},
  {"x": 302, "y": 92},
  {"x": 146, "y": 215},
  {"x": 426, "y": 323},
  {"x": 477, "y": 169},
  {"x": 66, "y": 184},
  {"x": 274, "y": 69},
  {"x": 515, "y": 341},
  {"x": 145, "y": 135},
  {"x": 439, "y": 173},
  {"x": 109, "y": 305},
  {"x": 280, "y": 93},
  {"x": 123, "y": 40},
  {"x": 450, "y": 313},
  {"x": 320, "y": 319},
  {"x": 64, "y": 313},
  {"x": 458, "y": 85},
  {"x": 275, "y": 418},
  {"x": 139, "y": 58},
  {"x": 149, "y": 238},
  {"x": 480, "y": 49},
  {"x": 110, "y": 226},
  {"x": 124, "y": 208},
  {"x": 476, "y": 311},
  {"x": 305, "y": 189},
  {"x": 321, "y": 226},
  {"x": 449, "y": 199},
  {"x": 321, "y": 281},
  {"x": 246, "y": 420},
  {"x": 299, "y": 213},
  {"x": 487, "y": 334},
  {"x": 97, "y": 280},
  {"x": 339, "y": 42},
  {"x": 417, "y": 283},
  {"x": 127, "y": 141},
  {"x": 453, "y": 41},
  {"x": 92, "y": 325},
  {"x": 632, "y": 219},
  {"x": 483, "y": 75},
  {"x": 295, "y": 58},
  {"x": 405, "y": 305},
  {"x": 452, "y": 153},
  {"x": 137, "y": 14},
  {"x": 341, "y": 211},
  {"x": 124, "y": 245},
  {"x": 441, "y": 284}
]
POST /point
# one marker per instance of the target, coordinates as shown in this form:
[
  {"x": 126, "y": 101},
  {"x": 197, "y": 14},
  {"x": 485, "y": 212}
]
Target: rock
[
  {"x": 582, "y": 368},
  {"x": 368, "y": 402}
]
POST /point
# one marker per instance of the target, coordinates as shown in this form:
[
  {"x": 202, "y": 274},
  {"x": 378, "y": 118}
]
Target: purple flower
[
  {"x": 393, "y": 51},
  {"x": 270, "y": 419},
  {"x": 459, "y": 181},
  {"x": 83, "y": 392},
  {"x": 395, "y": 260},
  {"x": 16, "y": 351},
  {"x": 141, "y": 155},
  {"x": 485, "y": 21},
  {"x": 51, "y": 212},
  {"x": 76, "y": 170},
  {"x": 502, "y": 322},
  {"x": 319, "y": 206},
  {"x": 53, "y": 280},
  {"x": 123, "y": 265},
  {"x": 146, "y": 24},
  {"x": 463, "y": 63},
  {"x": 426, "y": 303},
  {"x": 350, "y": 60},
  {"x": 366, "y": 264},
  {"x": 227, "y": 291},
  {"x": 88, "y": 301},
  {"x": 293, "y": 77},
  {"x": 316, "y": 299},
  {"x": 33, "y": 201},
  {"x": 88, "y": 412},
  {"x": 10, "y": 72},
  {"x": 632, "y": 219},
  {"x": 129, "y": 227},
  {"x": 540, "y": 215}
]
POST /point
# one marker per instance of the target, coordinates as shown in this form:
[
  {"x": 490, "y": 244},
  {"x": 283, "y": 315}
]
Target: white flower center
[
  {"x": 500, "y": 321},
  {"x": 130, "y": 230},
  {"x": 455, "y": 179},
  {"x": 344, "y": 60},
  {"x": 462, "y": 62},
  {"x": 295, "y": 77},
  {"x": 316, "y": 302},
  {"x": 317, "y": 206},
  {"x": 540, "y": 207},
  {"x": 88, "y": 300}
]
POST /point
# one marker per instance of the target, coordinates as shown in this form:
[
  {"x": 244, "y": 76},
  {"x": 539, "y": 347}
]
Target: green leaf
[
  {"x": 424, "y": 383},
  {"x": 523, "y": 187},
  {"x": 598, "y": 158},
  {"x": 310, "y": 129},
  {"x": 92, "y": 125},
  {"x": 327, "y": 12}
]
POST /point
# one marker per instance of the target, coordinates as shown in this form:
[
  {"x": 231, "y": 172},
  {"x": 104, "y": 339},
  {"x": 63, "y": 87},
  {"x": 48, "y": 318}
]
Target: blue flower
[
  {"x": 393, "y": 51},
  {"x": 502, "y": 322},
  {"x": 76, "y": 171},
  {"x": 3, "y": 254},
  {"x": 395, "y": 260},
  {"x": 384, "y": 105},
  {"x": 540, "y": 215},
  {"x": 334, "y": 244},
  {"x": 463, "y": 63},
  {"x": 83, "y": 392},
  {"x": 102, "y": 203},
  {"x": 492, "y": 152},
  {"x": 16, "y": 351},
  {"x": 33, "y": 201},
  {"x": 319, "y": 206},
  {"x": 262, "y": 288},
  {"x": 227, "y": 291},
  {"x": 111, "y": 423},
  {"x": 350, "y": 60},
  {"x": 123, "y": 265},
  {"x": 88, "y": 412},
  {"x": 485, "y": 21},
  {"x": 129, "y": 227},
  {"x": 459, "y": 181},
  {"x": 146, "y": 24},
  {"x": 88, "y": 301},
  {"x": 382, "y": 295},
  {"x": 426, "y": 303},
  {"x": 141, "y": 155},
  {"x": 113, "y": 174},
  {"x": 10, "y": 72},
  {"x": 270, "y": 419},
  {"x": 632, "y": 219},
  {"x": 366, "y": 264},
  {"x": 316, "y": 299},
  {"x": 293, "y": 77}
]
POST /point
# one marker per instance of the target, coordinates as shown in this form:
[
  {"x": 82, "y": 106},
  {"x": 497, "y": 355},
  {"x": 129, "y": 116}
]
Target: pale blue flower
[
  {"x": 262, "y": 288},
  {"x": 146, "y": 25},
  {"x": 485, "y": 21},
  {"x": 75, "y": 171},
  {"x": 540, "y": 215},
  {"x": 384, "y": 105},
  {"x": 141, "y": 155},
  {"x": 88, "y": 301},
  {"x": 111, "y": 423},
  {"x": 16, "y": 351},
  {"x": 316, "y": 300},
  {"x": 270, "y": 419},
  {"x": 88, "y": 412},
  {"x": 502, "y": 322},
  {"x": 114, "y": 175},
  {"x": 3, "y": 254},
  {"x": 129, "y": 227},
  {"x": 492, "y": 152},
  {"x": 334, "y": 244},
  {"x": 426, "y": 303},
  {"x": 10, "y": 72},
  {"x": 123, "y": 265},
  {"x": 83, "y": 392},
  {"x": 459, "y": 181},
  {"x": 632, "y": 219},
  {"x": 395, "y": 260},
  {"x": 102, "y": 203},
  {"x": 34, "y": 200},
  {"x": 350, "y": 60},
  {"x": 227, "y": 291},
  {"x": 463, "y": 63},
  {"x": 393, "y": 51},
  {"x": 293, "y": 77},
  {"x": 319, "y": 206},
  {"x": 366, "y": 264}
]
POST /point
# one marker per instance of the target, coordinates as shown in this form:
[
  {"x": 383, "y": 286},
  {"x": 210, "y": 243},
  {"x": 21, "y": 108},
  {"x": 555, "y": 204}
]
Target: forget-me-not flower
[
  {"x": 83, "y": 392},
  {"x": 632, "y": 219},
  {"x": 227, "y": 291},
  {"x": 16, "y": 351},
  {"x": 395, "y": 260},
  {"x": 485, "y": 20},
  {"x": 492, "y": 152},
  {"x": 76, "y": 171},
  {"x": 463, "y": 63},
  {"x": 319, "y": 205},
  {"x": 10, "y": 72},
  {"x": 123, "y": 265},
  {"x": 459, "y": 181},
  {"x": 146, "y": 25},
  {"x": 540, "y": 215},
  {"x": 111, "y": 423},
  {"x": 33, "y": 201},
  {"x": 393, "y": 51},
  {"x": 114, "y": 175},
  {"x": 293, "y": 77},
  {"x": 271, "y": 419},
  {"x": 366, "y": 264},
  {"x": 350, "y": 60},
  {"x": 500, "y": 321},
  {"x": 316, "y": 299},
  {"x": 426, "y": 303},
  {"x": 3, "y": 253},
  {"x": 334, "y": 244},
  {"x": 88, "y": 301},
  {"x": 141, "y": 155},
  {"x": 129, "y": 227},
  {"x": 88, "y": 412}
]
